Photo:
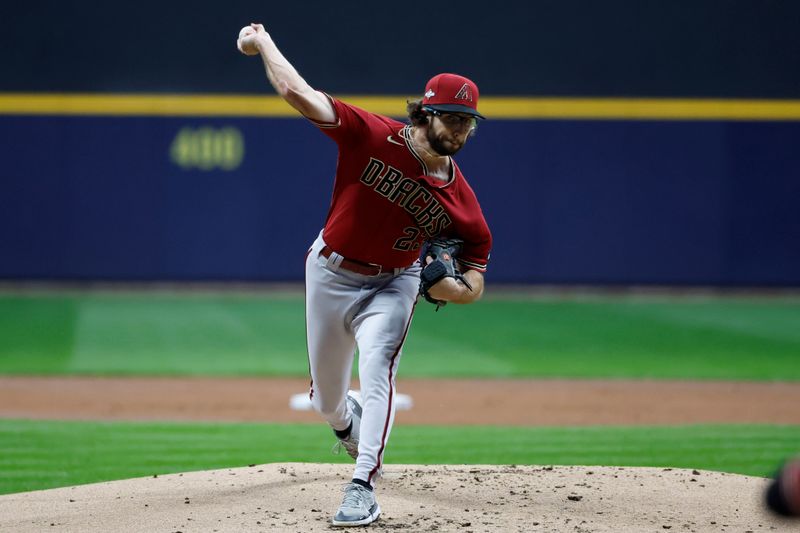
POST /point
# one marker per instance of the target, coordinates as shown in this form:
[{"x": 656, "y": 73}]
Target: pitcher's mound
[{"x": 302, "y": 497}]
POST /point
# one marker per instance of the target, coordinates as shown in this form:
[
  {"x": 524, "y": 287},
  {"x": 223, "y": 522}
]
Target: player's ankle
[
  {"x": 362, "y": 483},
  {"x": 343, "y": 434}
]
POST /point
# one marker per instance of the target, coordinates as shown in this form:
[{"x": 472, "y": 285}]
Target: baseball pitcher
[{"x": 403, "y": 221}]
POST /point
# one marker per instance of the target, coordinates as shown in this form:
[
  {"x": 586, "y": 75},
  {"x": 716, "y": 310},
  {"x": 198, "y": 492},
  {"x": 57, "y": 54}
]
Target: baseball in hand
[{"x": 247, "y": 42}]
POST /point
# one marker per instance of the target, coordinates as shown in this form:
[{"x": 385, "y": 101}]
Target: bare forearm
[
  {"x": 290, "y": 85},
  {"x": 283, "y": 77},
  {"x": 280, "y": 73},
  {"x": 467, "y": 296},
  {"x": 454, "y": 291}
]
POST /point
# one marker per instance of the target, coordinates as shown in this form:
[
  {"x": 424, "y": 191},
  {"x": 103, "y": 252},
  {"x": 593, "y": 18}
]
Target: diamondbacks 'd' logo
[{"x": 464, "y": 93}]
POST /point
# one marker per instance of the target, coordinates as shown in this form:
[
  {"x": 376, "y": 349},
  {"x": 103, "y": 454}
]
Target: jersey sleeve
[
  {"x": 471, "y": 227},
  {"x": 351, "y": 122},
  {"x": 477, "y": 246}
]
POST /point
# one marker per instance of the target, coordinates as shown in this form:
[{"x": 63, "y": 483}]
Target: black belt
[{"x": 365, "y": 269}]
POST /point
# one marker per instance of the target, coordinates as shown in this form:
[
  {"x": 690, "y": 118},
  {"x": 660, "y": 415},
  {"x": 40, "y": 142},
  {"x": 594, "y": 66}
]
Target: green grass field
[
  {"x": 501, "y": 337},
  {"x": 42, "y": 454},
  {"x": 513, "y": 336}
]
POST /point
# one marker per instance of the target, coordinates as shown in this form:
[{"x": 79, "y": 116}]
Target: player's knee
[{"x": 328, "y": 409}]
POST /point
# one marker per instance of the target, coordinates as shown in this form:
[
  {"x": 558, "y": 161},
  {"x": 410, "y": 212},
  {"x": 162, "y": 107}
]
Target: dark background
[
  {"x": 690, "y": 48},
  {"x": 569, "y": 201}
]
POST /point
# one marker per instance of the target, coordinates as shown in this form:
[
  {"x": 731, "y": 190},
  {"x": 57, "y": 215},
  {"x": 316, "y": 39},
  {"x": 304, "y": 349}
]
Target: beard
[{"x": 439, "y": 146}]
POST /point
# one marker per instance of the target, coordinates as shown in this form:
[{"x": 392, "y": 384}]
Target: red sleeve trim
[{"x": 480, "y": 267}]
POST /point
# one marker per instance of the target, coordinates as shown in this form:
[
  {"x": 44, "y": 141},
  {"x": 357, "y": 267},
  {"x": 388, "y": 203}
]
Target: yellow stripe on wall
[
  {"x": 210, "y": 105},
  {"x": 144, "y": 105},
  {"x": 641, "y": 109}
]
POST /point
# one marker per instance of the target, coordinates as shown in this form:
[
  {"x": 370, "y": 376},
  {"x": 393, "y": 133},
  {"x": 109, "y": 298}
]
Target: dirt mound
[{"x": 302, "y": 497}]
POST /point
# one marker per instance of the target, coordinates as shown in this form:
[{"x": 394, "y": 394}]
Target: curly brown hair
[{"x": 416, "y": 114}]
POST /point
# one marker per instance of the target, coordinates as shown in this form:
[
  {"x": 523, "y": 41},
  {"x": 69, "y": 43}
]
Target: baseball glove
[{"x": 443, "y": 253}]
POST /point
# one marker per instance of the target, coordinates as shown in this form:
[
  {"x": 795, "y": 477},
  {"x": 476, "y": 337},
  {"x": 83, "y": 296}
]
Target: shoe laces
[
  {"x": 349, "y": 446},
  {"x": 355, "y": 495}
]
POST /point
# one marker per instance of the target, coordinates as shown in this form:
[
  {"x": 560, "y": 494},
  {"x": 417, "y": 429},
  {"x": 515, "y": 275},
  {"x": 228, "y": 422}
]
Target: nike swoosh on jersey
[{"x": 389, "y": 138}]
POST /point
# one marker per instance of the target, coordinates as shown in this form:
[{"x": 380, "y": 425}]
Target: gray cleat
[
  {"x": 350, "y": 444},
  {"x": 358, "y": 508}
]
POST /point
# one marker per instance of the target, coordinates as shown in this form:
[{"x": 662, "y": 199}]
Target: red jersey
[{"x": 384, "y": 204}]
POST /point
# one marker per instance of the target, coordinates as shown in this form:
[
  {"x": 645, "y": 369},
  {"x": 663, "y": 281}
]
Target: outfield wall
[{"x": 569, "y": 201}]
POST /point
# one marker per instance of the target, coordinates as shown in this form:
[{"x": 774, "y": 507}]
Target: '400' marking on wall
[{"x": 207, "y": 148}]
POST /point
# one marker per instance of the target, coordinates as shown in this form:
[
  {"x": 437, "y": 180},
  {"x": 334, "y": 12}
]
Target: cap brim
[{"x": 455, "y": 108}]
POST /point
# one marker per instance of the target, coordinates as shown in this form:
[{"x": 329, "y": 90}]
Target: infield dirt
[
  {"x": 436, "y": 402},
  {"x": 301, "y": 497}
]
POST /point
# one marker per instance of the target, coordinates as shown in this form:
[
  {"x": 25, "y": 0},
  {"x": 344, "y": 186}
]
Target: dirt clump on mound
[{"x": 302, "y": 497}]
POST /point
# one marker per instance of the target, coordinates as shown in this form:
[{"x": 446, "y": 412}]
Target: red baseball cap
[{"x": 451, "y": 93}]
